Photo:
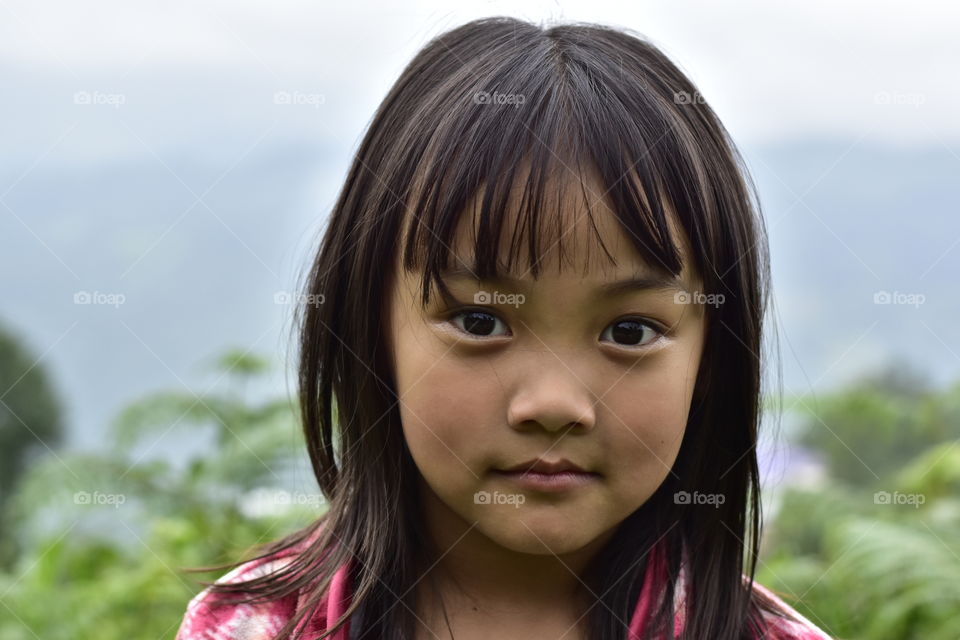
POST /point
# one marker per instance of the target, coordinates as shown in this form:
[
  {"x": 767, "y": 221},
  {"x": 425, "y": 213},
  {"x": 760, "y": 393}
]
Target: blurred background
[{"x": 166, "y": 169}]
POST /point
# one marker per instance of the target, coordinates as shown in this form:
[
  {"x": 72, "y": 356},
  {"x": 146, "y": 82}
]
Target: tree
[{"x": 30, "y": 422}]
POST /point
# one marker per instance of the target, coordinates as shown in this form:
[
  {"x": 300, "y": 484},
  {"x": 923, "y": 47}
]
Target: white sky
[{"x": 772, "y": 70}]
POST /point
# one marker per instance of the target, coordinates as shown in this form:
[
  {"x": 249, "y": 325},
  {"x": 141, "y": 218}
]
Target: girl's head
[{"x": 471, "y": 322}]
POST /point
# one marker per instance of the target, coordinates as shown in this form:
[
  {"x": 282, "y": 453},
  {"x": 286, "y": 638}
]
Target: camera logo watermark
[
  {"x": 500, "y": 99},
  {"x": 283, "y": 497},
  {"x": 685, "y": 497},
  {"x": 485, "y": 497},
  {"x": 497, "y": 297},
  {"x": 898, "y": 98},
  {"x": 913, "y": 499},
  {"x": 297, "y": 98},
  {"x": 295, "y": 297},
  {"x": 685, "y": 97},
  {"x": 97, "y": 297},
  {"x": 898, "y": 297},
  {"x": 698, "y": 297},
  {"x": 97, "y": 498},
  {"x": 98, "y": 98}
]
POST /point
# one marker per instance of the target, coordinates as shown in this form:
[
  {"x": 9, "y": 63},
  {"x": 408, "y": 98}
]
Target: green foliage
[
  {"x": 868, "y": 432},
  {"x": 875, "y": 553},
  {"x": 913, "y": 573},
  {"x": 105, "y": 537},
  {"x": 936, "y": 473}
]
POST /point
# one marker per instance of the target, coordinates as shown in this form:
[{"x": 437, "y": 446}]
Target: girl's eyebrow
[{"x": 639, "y": 282}]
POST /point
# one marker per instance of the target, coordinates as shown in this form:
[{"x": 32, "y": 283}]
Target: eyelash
[{"x": 451, "y": 315}]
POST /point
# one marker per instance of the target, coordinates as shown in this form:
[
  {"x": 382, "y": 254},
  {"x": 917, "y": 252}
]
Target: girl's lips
[{"x": 550, "y": 482}]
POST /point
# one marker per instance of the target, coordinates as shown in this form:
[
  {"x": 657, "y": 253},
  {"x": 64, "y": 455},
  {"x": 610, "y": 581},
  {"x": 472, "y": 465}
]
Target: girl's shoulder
[
  {"x": 791, "y": 625},
  {"x": 214, "y": 615}
]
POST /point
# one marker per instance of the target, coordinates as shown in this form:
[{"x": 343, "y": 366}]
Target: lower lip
[{"x": 562, "y": 481}]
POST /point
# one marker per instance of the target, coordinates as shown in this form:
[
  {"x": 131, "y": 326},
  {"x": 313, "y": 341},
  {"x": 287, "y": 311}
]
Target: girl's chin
[{"x": 537, "y": 536}]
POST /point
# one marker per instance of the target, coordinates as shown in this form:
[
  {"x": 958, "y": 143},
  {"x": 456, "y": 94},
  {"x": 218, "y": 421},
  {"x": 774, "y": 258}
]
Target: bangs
[{"x": 507, "y": 136}]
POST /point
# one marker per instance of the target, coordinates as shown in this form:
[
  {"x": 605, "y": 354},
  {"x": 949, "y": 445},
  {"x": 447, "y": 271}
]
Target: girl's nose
[{"x": 553, "y": 398}]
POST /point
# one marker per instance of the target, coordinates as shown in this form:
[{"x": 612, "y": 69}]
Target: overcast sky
[{"x": 771, "y": 70}]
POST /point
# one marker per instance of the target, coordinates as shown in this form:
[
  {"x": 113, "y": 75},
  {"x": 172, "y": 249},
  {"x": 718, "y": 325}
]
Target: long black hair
[{"x": 472, "y": 108}]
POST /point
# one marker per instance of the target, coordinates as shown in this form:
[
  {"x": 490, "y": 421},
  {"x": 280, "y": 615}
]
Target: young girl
[{"x": 531, "y": 392}]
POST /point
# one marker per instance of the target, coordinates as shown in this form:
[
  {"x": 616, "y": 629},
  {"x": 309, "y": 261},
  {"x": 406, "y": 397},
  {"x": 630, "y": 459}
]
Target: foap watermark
[
  {"x": 500, "y": 99},
  {"x": 698, "y": 297},
  {"x": 486, "y": 497},
  {"x": 297, "y": 98},
  {"x": 498, "y": 297},
  {"x": 913, "y": 499},
  {"x": 712, "y": 499},
  {"x": 114, "y": 100},
  {"x": 899, "y": 98},
  {"x": 685, "y": 97},
  {"x": 299, "y": 498},
  {"x": 270, "y": 502},
  {"x": 898, "y": 297},
  {"x": 296, "y": 297},
  {"x": 98, "y": 498},
  {"x": 98, "y": 297}
]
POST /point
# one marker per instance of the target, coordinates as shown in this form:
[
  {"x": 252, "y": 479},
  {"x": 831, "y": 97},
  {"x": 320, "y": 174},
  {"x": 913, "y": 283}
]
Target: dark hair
[{"x": 583, "y": 95}]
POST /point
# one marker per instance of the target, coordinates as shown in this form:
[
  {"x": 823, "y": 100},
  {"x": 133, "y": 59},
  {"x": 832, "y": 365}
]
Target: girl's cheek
[
  {"x": 644, "y": 427},
  {"x": 452, "y": 408}
]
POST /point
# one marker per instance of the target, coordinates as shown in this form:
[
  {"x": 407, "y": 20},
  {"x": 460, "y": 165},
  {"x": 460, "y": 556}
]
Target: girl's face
[{"x": 562, "y": 371}]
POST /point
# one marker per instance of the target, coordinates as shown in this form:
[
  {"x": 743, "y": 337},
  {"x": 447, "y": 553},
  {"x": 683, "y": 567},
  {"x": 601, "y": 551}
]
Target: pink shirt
[{"x": 205, "y": 619}]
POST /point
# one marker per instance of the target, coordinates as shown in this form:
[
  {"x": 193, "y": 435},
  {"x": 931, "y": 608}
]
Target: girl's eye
[
  {"x": 476, "y": 323},
  {"x": 630, "y": 332}
]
